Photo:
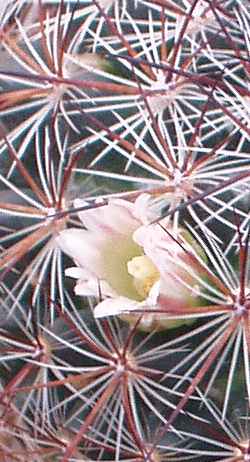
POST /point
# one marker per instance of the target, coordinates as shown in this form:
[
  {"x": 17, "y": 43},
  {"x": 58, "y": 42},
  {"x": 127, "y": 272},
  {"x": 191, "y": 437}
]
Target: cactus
[{"x": 124, "y": 230}]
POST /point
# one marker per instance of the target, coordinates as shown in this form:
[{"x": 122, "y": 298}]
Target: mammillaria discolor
[{"x": 124, "y": 230}]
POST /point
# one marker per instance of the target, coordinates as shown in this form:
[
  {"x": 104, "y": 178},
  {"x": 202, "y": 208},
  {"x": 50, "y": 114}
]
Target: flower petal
[
  {"x": 116, "y": 217},
  {"x": 114, "y": 306},
  {"x": 84, "y": 247},
  {"x": 94, "y": 287},
  {"x": 76, "y": 273},
  {"x": 143, "y": 209}
]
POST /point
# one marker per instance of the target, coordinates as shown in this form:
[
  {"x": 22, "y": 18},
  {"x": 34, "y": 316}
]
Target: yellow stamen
[{"x": 145, "y": 274}]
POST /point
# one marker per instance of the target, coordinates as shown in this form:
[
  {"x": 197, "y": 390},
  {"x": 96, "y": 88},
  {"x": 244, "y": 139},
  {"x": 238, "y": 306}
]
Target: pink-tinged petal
[
  {"x": 115, "y": 306},
  {"x": 152, "y": 236},
  {"x": 84, "y": 247},
  {"x": 161, "y": 248},
  {"x": 116, "y": 217}
]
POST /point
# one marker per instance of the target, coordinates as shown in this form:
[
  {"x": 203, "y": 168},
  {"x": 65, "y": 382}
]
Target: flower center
[
  {"x": 127, "y": 270},
  {"x": 115, "y": 255},
  {"x": 144, "y": 273}
]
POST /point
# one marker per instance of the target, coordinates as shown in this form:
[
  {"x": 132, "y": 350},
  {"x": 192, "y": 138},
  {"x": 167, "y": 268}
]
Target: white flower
[{"x": 132, "y": 265}]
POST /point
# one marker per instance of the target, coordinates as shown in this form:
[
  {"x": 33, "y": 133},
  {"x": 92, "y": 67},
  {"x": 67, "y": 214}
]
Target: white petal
[
  {"x": 77, "y": 273},
  {"x": 142, "y": 209},
  {"x": 94, "y": 287},
  {"x": 84, "y": 247},
  {"x": 115, "y": 306},
  {"x": 154, "y": 293}
]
